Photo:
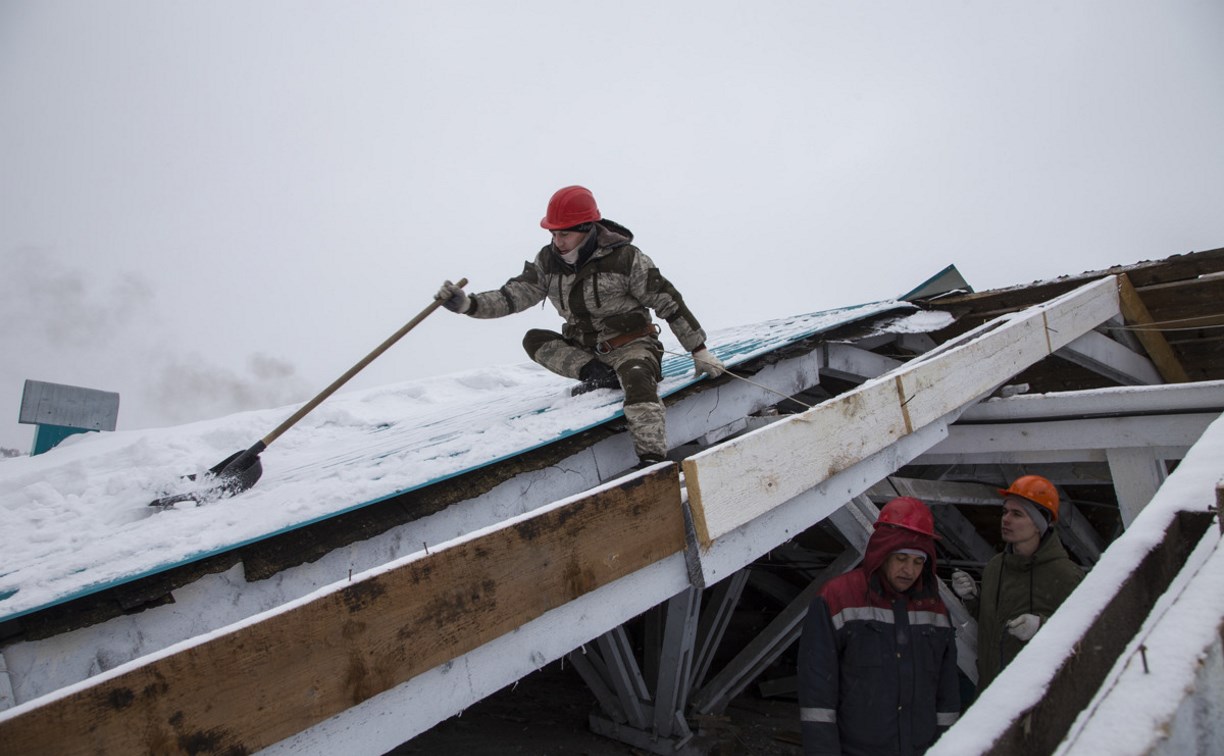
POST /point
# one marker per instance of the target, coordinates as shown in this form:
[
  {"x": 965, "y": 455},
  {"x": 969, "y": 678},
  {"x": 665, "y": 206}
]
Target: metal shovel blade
[{"x": 234, "y": 474}]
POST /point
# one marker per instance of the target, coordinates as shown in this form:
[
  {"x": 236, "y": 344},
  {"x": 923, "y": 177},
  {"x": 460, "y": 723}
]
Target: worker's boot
[{"x": 595, "y": 375}]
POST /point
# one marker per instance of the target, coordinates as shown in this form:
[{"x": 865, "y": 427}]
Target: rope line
[
  {"x": 763, "y": 387},
  {"x": 1160, "y": 325}
]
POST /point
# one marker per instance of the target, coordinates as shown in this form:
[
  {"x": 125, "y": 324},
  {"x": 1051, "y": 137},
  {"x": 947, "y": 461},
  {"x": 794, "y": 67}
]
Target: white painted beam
[
  {"x": 852, "y": 363},
  {"x": 917, "y": 343},
  {"x": 1167, "y": 436},
  {"x": 1107, "y": 357},
  {"x": 736, "y": 482},
  {"x": 932, "y": 386},
  {"x": 1203, "y": 396},
  {"x": 740, "y": 547},
  {"x": 1137, "y": 474}
]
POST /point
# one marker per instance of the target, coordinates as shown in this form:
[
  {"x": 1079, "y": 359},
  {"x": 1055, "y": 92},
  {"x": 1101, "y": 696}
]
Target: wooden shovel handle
[{"x": 308, "y": 406}]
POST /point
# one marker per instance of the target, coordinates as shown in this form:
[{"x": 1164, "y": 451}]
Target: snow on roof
[{"x": 76, "y": 520}]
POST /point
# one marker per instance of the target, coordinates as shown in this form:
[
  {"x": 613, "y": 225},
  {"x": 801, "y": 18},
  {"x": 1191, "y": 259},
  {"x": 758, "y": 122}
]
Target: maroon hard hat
[{"x": 909, "y": 513}]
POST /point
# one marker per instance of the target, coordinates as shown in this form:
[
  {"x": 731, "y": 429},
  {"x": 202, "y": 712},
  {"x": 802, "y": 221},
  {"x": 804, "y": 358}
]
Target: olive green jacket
[
  {"x": 1013, "y": 585},
  {"x": 608, "y": 293}
]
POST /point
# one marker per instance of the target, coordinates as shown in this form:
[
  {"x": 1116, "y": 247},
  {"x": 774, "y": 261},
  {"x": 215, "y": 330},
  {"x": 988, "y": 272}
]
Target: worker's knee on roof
[
  {"x": 638, "y": 379},
  {"x": 536, "y": 338}
]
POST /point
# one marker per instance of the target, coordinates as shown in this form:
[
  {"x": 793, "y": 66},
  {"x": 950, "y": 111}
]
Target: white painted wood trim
[
  {"x": 1137, "y": 475},
  {"x": 1107, "y": 357},
  {"x": 1165, "y": 436},
  {"x": 736, "y": 482},
  {"x": 1119, "y": 400}
]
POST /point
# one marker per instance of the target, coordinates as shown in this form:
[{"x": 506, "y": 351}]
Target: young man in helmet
[
  {"x": 604, "y": 287},
  {"x": 1022, "y": 586},
  {"x": 877, "y": 657}
]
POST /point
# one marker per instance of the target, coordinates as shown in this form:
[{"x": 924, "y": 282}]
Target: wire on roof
[{"x": 1170, "y": 326}]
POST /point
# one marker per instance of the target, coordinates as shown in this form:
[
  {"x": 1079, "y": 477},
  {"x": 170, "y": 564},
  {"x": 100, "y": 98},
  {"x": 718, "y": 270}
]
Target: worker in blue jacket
[{"x": 877, "y": 657}]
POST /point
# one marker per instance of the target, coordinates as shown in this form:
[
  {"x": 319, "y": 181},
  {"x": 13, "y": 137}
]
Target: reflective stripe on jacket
[{"x": 877, "y": 669}]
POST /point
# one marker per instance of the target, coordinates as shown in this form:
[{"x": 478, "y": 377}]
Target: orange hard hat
[
  {"x": 909, "y": 513},
  {"x": 1036, "y": 489},
  {"x": 570, "y": 206}
]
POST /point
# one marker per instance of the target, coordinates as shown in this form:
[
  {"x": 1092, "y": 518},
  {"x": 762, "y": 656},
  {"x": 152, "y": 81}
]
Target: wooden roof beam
[{"x": 1136, "y": 313}]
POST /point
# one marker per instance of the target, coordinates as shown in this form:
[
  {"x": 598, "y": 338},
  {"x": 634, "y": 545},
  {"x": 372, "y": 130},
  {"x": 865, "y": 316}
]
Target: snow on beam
[
  {"x": 1175, "y": 669},
  {"x": 1032, "y": 705},
  {"x": 265, "y": 679},
  {"x": 736, "y": 482}
]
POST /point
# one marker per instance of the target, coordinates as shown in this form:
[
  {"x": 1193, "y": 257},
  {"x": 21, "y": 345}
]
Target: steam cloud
[{"x": 62, "y": 325}]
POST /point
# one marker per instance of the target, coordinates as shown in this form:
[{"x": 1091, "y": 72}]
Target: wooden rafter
[{"x": 1136, "y": 313}]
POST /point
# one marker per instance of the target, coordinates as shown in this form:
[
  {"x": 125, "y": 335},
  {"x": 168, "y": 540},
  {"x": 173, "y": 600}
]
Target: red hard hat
[
  {"x": 1036, "y": 489},
  {"x": 569, "y": 207},
  {"x": 909, "y": 513}
]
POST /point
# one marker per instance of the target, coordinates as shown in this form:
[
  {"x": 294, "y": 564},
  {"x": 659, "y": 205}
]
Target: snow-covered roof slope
[{"x": 76, "y": 520}]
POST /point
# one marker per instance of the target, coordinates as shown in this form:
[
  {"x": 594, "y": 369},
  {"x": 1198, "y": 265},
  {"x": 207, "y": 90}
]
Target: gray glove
[
  {"x": 705, "y": 363},
  {"x": 454, "y": 298},
  {"x": 964, "y": 586},
  {"x": 1024, "y": 627}
]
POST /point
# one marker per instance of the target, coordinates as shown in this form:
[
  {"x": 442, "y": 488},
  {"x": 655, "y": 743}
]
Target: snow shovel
[{"x": 239, "y": 471}]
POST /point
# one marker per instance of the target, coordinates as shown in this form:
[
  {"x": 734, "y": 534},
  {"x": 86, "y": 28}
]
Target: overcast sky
[{"x": 214, "y": 206}]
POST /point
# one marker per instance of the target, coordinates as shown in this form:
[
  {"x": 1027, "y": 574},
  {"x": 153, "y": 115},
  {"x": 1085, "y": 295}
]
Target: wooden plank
[
  {"x": 744, "y": 545},
  {"x": 1136, "y": 313},
  {"x": 738, "y": 481},
  {"x": 277, "y": 674},
  {"x": 730, "y": 484},
  {"x": 931, "y": 388}
]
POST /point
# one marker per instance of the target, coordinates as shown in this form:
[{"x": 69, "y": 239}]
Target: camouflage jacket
[{"x": 610, "y": 291}]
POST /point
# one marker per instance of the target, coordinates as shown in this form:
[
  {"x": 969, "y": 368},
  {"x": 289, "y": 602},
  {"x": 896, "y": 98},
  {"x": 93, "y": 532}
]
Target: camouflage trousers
[{"x": 638, "y": 366}]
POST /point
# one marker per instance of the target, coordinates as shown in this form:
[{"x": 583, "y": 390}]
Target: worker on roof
[
  {"x": 1022, "y": 586},
  {"x": 604, "y": 287},
  {"x": 877, "y": 657}
]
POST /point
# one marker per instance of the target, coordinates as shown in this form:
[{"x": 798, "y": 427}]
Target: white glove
[
  {"x": 1024, "y": 627},
  {"x": 964, "y": 586},
  {"x": 453, "y": 298},
  {"x": 705, "y": 363}
]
